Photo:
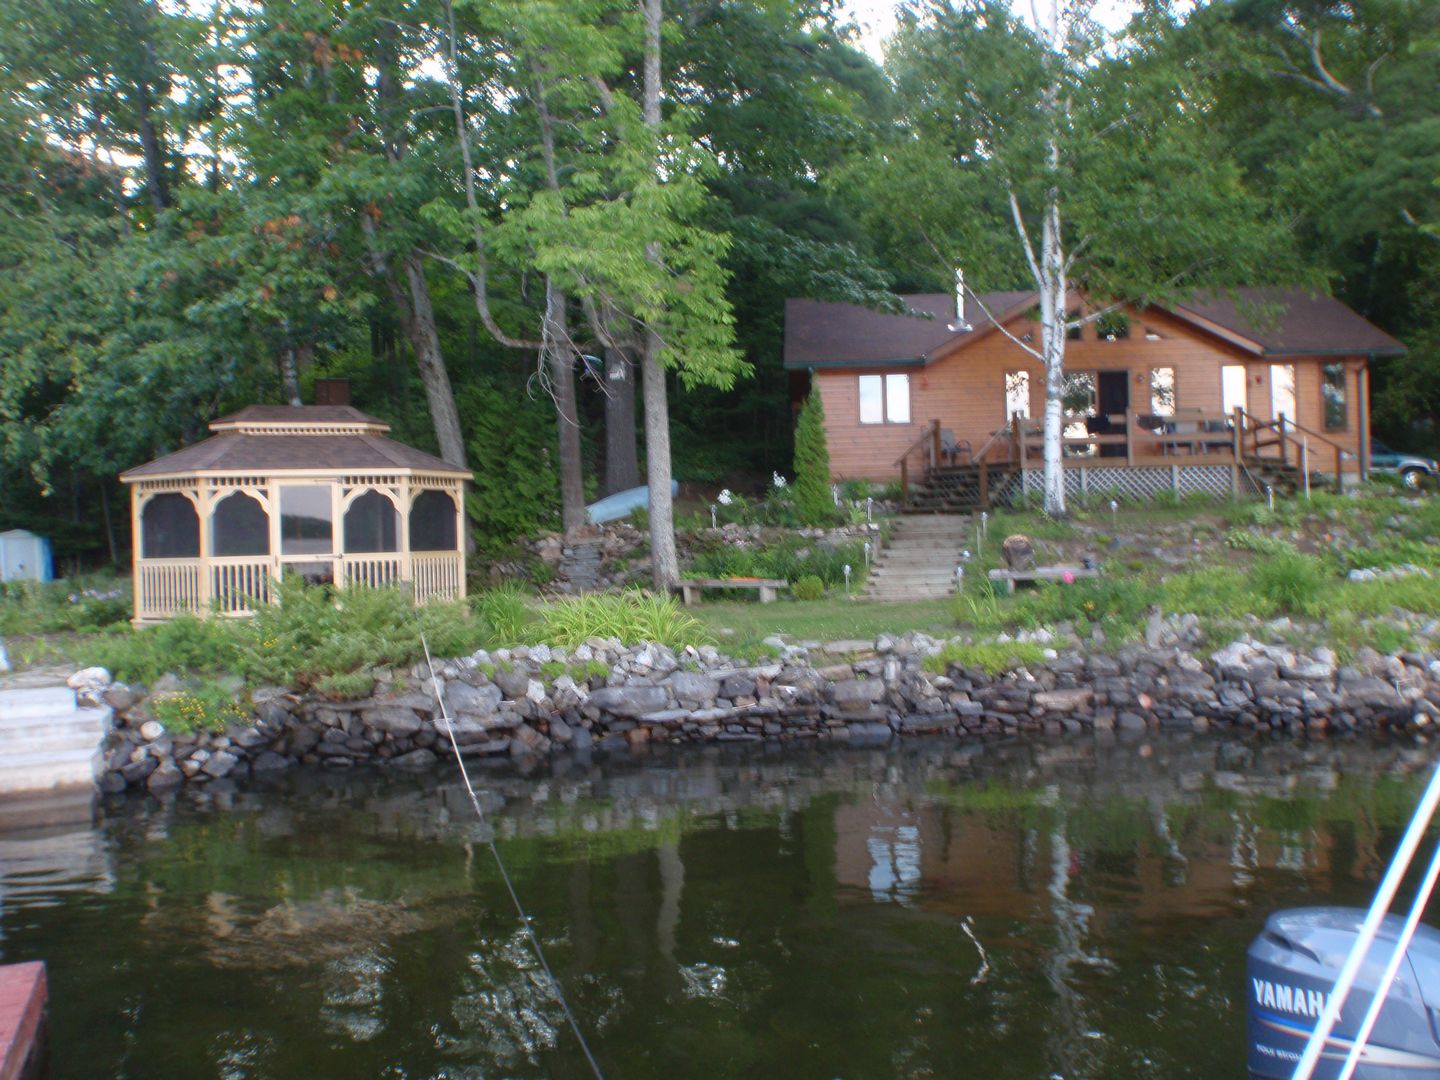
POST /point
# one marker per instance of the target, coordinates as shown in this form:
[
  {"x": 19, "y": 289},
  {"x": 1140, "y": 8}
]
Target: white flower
[
  {"x": 725, "y": 498},
  {"x": 778, "y": 480}
]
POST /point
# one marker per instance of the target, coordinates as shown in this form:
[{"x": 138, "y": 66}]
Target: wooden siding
[{"x": 966, "y": 391}]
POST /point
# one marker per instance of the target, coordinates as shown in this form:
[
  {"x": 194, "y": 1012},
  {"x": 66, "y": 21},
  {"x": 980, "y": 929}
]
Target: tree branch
[{"x": 1024, "y": 238}]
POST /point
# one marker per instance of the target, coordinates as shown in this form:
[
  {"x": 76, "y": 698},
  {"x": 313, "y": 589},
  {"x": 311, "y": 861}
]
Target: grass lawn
[{"x": 821, "y": 620}]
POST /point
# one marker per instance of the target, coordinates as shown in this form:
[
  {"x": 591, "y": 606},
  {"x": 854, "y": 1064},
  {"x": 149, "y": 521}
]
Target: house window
[
  {"x": 1282, "y": 391},
  {"x": 884, "y": 399},
  {"x": 1017, "y": 395},
  {"x": 1113, "y": 327},
  {"x": 1162, "y": 391},
  {"x": 1332, "y": 388},
  {"x": 1232, "y": 388},
  {"x": 306, "y": 527},
  {"x": 1073, "y": 333}
]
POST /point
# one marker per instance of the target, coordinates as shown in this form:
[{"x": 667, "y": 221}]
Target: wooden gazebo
[{"x": 314, "y": 490}]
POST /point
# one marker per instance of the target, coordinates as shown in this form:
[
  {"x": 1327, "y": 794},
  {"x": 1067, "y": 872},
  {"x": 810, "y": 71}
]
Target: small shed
[
  {"x": 315, "y": 490},
  {"x": 24, "y": 557}
]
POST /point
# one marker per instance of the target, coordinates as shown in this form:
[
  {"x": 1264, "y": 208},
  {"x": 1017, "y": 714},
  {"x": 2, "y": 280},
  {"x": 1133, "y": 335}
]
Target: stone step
[
  {"x": 37, "y": 701},
  {"x": 48, "y": 771}
]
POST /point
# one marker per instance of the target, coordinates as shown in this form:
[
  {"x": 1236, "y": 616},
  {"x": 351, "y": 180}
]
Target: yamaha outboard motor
[{"x": 1292, "y": 967}]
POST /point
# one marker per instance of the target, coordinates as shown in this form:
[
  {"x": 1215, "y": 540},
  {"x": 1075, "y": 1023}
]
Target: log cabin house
[{"x": 1224, "y": 393}]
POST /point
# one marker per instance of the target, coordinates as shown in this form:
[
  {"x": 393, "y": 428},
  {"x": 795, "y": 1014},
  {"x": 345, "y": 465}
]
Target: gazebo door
[{"x": 308, "y": 512}]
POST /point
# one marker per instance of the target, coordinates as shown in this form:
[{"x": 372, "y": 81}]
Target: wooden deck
[{"x": 23, "y": 999}]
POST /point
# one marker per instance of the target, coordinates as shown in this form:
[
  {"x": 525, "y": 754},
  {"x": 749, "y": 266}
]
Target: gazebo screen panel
[
  {"x": 432, "y": 522},
  {"x": 240, "y": 526},
  {"x": 372, "y": 524},
  {"x": 169, "y": 528},
  {"x": 306, "y": 525}
]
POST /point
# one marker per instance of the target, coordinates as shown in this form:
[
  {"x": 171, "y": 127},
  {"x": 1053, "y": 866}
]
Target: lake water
[{"x": 933, "y": 910}]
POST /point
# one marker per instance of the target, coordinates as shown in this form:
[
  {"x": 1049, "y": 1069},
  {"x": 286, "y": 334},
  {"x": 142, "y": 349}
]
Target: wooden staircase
[
  {"x": 918, "y": 562},
  {"x": 957, "y": 489}
]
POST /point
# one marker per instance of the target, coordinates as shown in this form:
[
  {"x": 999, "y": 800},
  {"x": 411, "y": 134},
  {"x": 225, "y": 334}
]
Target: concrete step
[
  {"x": 39, "y": 701},
  {"x": 48, "y": 771},
  {"x": 96, "y": 718}
]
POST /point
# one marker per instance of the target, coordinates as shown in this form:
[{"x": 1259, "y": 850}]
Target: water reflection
[{"x": 1065, "y": 910}]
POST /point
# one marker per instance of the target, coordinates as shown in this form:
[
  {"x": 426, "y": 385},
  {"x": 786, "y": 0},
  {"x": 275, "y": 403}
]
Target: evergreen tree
[{"x": 813, "y": 500}]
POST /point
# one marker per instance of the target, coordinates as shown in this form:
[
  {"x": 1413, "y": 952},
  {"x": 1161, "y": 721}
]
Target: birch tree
[{"x": 1113, "y": 191}]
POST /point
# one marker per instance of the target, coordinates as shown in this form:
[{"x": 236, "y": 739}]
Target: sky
[{"x": 876, "y": 19}]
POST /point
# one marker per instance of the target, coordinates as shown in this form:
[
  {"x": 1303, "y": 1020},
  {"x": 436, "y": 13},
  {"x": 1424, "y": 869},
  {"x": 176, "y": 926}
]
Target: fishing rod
[{"x": 525, "y": 920}]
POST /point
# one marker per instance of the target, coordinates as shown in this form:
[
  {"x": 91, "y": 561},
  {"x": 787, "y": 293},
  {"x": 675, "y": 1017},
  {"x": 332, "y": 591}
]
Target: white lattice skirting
[{"x": 1138, "y": 482}]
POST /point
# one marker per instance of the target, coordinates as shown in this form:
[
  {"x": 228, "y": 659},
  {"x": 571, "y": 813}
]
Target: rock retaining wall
[{"x": 530, "y": 702}]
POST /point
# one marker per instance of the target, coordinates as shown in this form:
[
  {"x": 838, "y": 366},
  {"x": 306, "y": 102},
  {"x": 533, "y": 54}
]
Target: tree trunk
[
  {"x": 431, "y": 362},
  {"x": 1053, "y": 330},
  {"x": 559, "y": 362},
  {"x": 664, "y": 560},
  {"x": 622, "y": 460}
]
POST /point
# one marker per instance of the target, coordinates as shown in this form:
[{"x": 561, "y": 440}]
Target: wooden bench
[
  {"x": 1042, "y": 573},
  {"x": 691, "y": 588}
]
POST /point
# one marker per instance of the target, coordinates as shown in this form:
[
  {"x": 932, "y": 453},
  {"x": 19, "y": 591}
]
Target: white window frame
[{"x": 894, "y": 398}]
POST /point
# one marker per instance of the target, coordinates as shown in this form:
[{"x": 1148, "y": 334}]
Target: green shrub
[
  {"x": 814, "y": 502},
  {"x": 505, "y": 610},
  {"x": 632, "y": 617},
  {"x": 790, "y": 560},
  {"x": 808, "y": 587},
  {"x": 205, "y": 707},
  {"x": 991, "y": 657},
  {"x": 78, "y": 605},
  {"x": 346, "y": 685},
  {"x": 1396, "y": 552},
  {"x": 1261, "y": 544},
  {"x": 1292, "y": 583},
  {"x": 1212, "y": 592},
  {"x": 312, "y": 633},
  {"x": 183, "y": 644}
]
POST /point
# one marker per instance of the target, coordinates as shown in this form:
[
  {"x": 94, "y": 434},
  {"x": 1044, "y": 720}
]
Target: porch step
[
  {"x": 954, "y": 488},
  {"x": 919, "y": 561}
]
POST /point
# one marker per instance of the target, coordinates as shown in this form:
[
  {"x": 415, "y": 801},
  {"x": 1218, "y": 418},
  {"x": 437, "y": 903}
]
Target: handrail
[
  {"x": 1284, "y": 428},
  {"x": 1384, "y": 897},
  {"x": 990, "y": 443},
  {"x": 931, "y": 431}
]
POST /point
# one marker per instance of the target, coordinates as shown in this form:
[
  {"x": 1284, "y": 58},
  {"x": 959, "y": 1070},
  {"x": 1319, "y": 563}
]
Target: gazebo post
[
  {"x": 277, "y": 568},
  {"x": 137, "y": 579},
  {"x": 457, "y": 492},
  {"x": 407, "y": 565},
  {"x": 204, "y": 504}
]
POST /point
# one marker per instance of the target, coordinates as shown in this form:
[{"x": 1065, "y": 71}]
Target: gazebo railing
[
  {"x": 239, "y": 584},
  {"x": 166, "y": 588},
  {"x": 376, "y": 570},
  {"x": 437, "y": 574}
]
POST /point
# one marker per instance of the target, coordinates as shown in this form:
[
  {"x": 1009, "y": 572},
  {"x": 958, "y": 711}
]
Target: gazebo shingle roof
[
  {"x": 241, "y": 451},
  {"x": 299, "y": 414}
]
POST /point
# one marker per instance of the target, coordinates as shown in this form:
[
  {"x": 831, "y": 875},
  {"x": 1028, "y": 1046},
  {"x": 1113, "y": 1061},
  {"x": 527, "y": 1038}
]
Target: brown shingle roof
[
  {"x": 240, "y": 453},
  {"x": 1292, "y": 322},
  {"x": 299, "y": 414},
  {"x": 820, "y": 334}
]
